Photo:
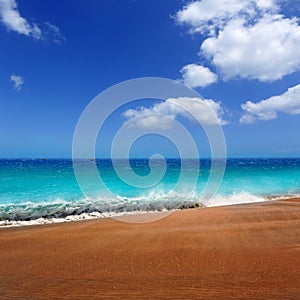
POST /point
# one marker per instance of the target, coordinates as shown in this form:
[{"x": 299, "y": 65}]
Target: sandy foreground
[{"x": 234, "y": 252}]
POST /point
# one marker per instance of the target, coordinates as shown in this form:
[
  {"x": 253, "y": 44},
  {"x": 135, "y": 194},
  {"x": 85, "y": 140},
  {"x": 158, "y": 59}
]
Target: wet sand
[{"x": 234, "y": 252}]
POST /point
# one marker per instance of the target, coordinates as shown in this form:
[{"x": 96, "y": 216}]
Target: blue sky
[{"x": 243, "y": 57}]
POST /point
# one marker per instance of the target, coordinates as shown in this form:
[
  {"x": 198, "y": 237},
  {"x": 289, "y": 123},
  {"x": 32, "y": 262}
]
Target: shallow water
[{"x": 32, "y": 189}]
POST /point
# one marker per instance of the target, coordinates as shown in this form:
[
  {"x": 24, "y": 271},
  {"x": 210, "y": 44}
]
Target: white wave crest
[
  {"x": 61, "y": 210},
  {"x": 237, "y": 198}
]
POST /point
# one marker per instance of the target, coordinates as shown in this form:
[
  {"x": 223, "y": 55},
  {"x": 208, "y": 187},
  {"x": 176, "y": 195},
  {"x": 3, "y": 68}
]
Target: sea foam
[{"x": 60, "y": 210}]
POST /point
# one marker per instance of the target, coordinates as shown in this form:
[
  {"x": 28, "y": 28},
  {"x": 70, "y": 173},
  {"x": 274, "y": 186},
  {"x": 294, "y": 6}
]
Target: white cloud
[
  {"x": 245, "y": 38},
  {"x": 13, "y": 21},
  {"x": 267, "y": 51},
  {"x": 197, "y": 76},
  {"x": 209, "y": 15},
  {"x": 267, "y": 109},
  {"x": 53, "y": 32},
  {"x": 17, "y": 81},
  {"x": 207, "y": 111},
  {"x": 149, "y": 120}
]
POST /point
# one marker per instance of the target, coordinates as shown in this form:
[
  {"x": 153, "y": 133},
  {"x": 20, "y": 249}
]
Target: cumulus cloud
[
  {"x": 267, "y": 109},
  {"x": 266, "y": 51},
  {"x": 17, "y": 81},
  {"x": 245, "y": 38},
  {"x": 207, "y": 111},
  {"x": 209, "y": 15},
  {"x": 197, "y": 76},
  {"x": 13, "y": 21}
]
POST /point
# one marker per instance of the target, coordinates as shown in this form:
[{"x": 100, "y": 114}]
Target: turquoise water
[{"x": 31, "y": 189}]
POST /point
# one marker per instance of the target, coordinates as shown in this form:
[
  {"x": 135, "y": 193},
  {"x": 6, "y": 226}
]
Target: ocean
[{"x": 43, "y": 191}]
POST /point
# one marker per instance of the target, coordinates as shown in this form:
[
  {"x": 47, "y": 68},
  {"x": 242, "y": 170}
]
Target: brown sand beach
[{"x": 247, "y": 251}]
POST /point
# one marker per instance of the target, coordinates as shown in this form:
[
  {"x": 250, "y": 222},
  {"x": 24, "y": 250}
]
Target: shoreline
[
  {"x": 115, "y": 215},
  {"x": 248, "y": 251}
]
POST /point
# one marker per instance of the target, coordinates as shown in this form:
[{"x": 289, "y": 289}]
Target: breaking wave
[{"x": 60, "y": 210}]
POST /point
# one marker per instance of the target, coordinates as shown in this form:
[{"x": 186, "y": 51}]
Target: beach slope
[{"x": 235, "y": 252}]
